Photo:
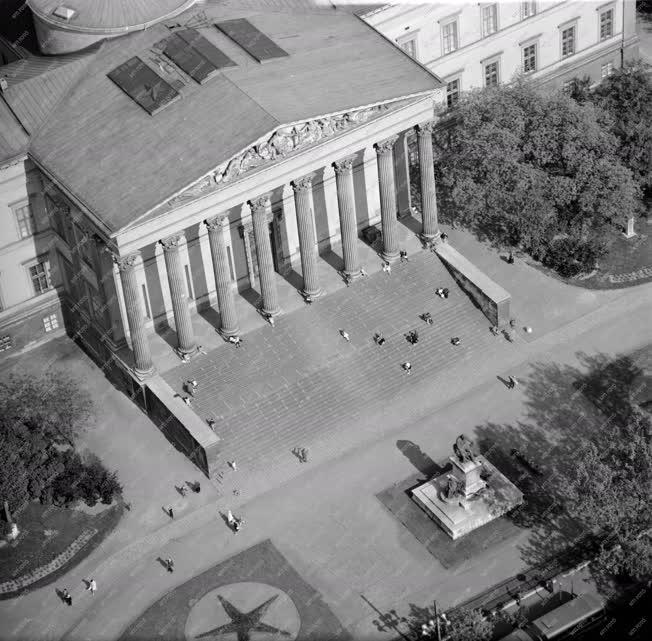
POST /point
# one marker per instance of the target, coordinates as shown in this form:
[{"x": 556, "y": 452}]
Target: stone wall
[{"x": 490, "y": 297}]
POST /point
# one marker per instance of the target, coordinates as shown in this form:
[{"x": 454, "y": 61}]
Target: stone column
[
  {"x": 385, "y": 152},
  {"x": 260, "y": 217},
  {"x": 348, "y": 218},
  {"x": 223, "y": 284},
  {"x": 307, "y": 240},
  {"x": 178, "y": 294},
  {"x": 135, "y": 316},
  {"x": 430, "y": 225}
]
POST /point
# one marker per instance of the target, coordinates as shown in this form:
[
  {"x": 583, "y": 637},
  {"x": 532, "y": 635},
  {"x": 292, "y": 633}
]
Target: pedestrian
[
  {"x": 304, "y": 455},
  {"x": 445, "y": 292},
  {"x": 494, "y": 330},
  {"x": 201, "y": 350},
  {"x": 407, "y": 366},
  {"x": 379, "y": 339},
  {"x": 427, "y": 317},
  {"x": 235, "y": 340},
  {"x": 193, "y": 386},
  {"x": 196, "y": 487},
  {"x": 233, "y": 465},
  {"x": 169, "y": 565},
  {"x": 404, "y": 256},
  {"x": 510, "y": 258},
  {"x": 345, "y": 336},
  {"x": 512, "y": 323},
  {"x": 183, "y": 490},
  {"x": 308, "y": 300},
  {"x": 270, "y": 319},
  {"x": 185, "y": 358},
  {"x": 92, "y": 586},
  {"x": 512, "y": 382},
  {"x": 363, "y": 272},
  {"x": 455, "y": 340},
  {"x": 67, "y": 597},
  {"x": 387, "y": 268},
  {"x": 230, "y": 518},
  {"x": 211, "y": 423},
  {"x": 171, "y": 512},
  {"x": 187, "y": 400},
  {"x": 528, "y": 330},
  {"x": 444, "y": 237},
  {"x": 440, "y": 292}
]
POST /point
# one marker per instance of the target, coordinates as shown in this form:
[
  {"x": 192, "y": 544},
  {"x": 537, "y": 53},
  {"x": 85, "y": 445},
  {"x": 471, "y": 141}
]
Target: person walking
[
  {"x": 455, "y": 340},
  {"x": 192, "y": 387},
  {"x": 196, "y": 487},
  {"x": 379, "y": 339},
  {"x": 345, "y": 336},
  {"x": 510, "y": 258},
  {"x": 233, "y": 465},
  {"x": 211, "y": 423},
  {"x": 92, "y": 586},
  {"x": 67, "y": 597},
  {"x": 187, "y": 400},
  {"x": 170, "y": 512},
  {"x": 363, "y": 272},
  {"x": 387, "y": 268},
  {"x": 169, "y": 565},
  {"x": 404, "y": 256},
  {"x": 304, "y": 454},
  {"x": 512, "y": 382},
  {"x": 407, "y": 366}
]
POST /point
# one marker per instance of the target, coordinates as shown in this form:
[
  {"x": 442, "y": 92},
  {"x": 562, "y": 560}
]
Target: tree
[
  {"x": 523, "y": 167},
  {"x": 627, "y": 96},
  {"x": 468, "y": 625}
]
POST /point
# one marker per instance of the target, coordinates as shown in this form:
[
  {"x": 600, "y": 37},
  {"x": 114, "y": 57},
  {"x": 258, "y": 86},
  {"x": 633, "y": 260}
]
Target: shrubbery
[{"x": 571, "y": 257}]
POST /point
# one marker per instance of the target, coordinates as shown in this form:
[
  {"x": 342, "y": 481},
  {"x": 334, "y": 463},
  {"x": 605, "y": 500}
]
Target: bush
[{"x": 570, "y": 257}]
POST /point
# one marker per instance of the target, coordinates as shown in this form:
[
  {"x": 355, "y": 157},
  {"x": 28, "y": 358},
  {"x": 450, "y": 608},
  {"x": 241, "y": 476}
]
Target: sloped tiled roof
[
  {"x": 121, "y": 162},
  {"x": 13, "y": 138}
]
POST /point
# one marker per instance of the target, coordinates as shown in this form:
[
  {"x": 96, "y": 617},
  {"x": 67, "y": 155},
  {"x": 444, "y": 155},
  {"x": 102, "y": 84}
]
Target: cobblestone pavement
[{"x": 300, "y": 384}]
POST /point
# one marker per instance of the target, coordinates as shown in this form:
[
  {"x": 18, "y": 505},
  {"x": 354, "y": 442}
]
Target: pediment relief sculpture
[{"x": 281, "y": 143}]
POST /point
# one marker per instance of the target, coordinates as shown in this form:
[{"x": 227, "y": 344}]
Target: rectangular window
[
  {"x": 568, "y": 42},
  {"x": 40, "y": 277},
  {"x": 449, "y": 37},
  {"x": 530, "y": 58},
  {"x": 50, "y": 322},
  {"x": 188, "y": 281},
  {"x": 410, "y": 47},
  {"x": 606, "y": 69},
  {"x": 452, "y": 92},
  {"x": 25, "y": 220},
  {"x": 146, "y": 302},
  {"x": 489, "y": 20},
  {"x": 606, "y": 24},
  {"x": 528, "y": 9},
  {"x": 491, "y": 74}
]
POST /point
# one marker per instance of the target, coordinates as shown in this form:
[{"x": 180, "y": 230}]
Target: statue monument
[{"x": 471, "y": 493}]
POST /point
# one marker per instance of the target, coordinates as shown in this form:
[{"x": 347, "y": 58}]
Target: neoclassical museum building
[{"x": 176, "y": 167}]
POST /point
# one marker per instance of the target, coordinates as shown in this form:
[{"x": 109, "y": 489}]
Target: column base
[
  {"x": 315, "y": 293},
  {"x": 389, "y": 258},
  {"x": 270, "y": 312},
  {"x": 186, "y": 351},
  {"x": 143, "y": 374},
  {"x": 225, "y": 332},
  {"x": 428, "y": 238},
  {"x": 352, "y": 274}
]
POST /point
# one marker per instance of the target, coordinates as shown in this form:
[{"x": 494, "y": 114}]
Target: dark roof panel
[
  {"x": 254, "y": 42},
  {"x": 207, "y": 49},
  {"x": 143, "y": 85},
  {"x": 188, "y": 59}
]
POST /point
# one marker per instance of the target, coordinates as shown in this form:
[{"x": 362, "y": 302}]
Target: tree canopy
[{"x": 527, "y": 168}]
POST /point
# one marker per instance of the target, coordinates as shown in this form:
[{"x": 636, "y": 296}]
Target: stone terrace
[{"x": 300, "y": 384}]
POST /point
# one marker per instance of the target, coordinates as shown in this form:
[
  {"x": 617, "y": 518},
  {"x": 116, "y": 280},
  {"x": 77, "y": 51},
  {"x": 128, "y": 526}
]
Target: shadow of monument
[{"x": 418, "y": 458}]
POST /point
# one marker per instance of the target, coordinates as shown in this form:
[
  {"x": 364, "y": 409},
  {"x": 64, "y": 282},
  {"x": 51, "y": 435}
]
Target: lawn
[{"x": 45, "y": 533}]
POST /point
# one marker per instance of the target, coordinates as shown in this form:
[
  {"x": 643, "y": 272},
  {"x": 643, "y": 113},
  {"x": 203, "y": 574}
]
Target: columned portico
[
  {"x": 135, "y": 317},
  {"x": 348, "y": 219},
  {"x": 430, "y": 225},
  {"x": 223, "y": 284},
  {"x": 178, "y": 294},
  {"x": 260, "y": 213},
  {"x": 307, "y": 240},
  {"x": 385, "y": 153}
]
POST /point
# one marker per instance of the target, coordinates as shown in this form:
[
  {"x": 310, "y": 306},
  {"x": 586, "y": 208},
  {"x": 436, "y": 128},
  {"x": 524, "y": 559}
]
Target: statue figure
[
  {"x": 464, "y": 449},
  {"x": 452, "y": 488}
]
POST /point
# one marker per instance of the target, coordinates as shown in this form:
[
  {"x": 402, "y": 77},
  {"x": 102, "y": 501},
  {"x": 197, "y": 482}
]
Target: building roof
[
  {"x": 13, "y": 138},
  {"x": 120, "y": 162},
  {"x": 108, "y": 14}
]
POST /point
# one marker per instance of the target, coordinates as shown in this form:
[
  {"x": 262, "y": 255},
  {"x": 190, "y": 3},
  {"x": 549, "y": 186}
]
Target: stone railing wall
[{"x": 490, "y": 297}]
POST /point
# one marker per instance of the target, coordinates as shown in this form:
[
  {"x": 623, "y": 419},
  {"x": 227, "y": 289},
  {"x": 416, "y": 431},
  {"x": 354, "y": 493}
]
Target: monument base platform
[{"x": 459, "y": 516}]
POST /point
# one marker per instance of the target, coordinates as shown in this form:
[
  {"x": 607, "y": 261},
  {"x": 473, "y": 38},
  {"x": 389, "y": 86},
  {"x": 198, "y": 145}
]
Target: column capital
[
  {"x": 386, "y": 146},
  {"x": 343, "y": 165},
  {"x": 172, "y": 242},
  {"x": 302, "y": 184},
  {"x": 125, "y": 263},
  {"x": 217, "y": 222},
  {"x": 426, "y": 128},
  {"x": 259, "y": 204}
]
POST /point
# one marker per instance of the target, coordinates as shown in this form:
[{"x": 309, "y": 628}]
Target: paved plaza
[{"x": 324, "y": 518}]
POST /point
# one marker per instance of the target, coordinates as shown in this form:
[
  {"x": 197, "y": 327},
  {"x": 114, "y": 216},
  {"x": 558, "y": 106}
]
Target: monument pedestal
[{"x": 478, "y": 501}]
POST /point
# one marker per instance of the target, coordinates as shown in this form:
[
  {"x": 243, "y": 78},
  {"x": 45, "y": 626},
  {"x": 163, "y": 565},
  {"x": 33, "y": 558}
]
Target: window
[
  {"x": 606, "y": 24},
  {"x": 147, "y": 312},
  {"x": 188, "y": 281},
  {"x": 55, "y": 213},
  {"x": 5, "y": 343},
  {"x": 25, "y": 220},
  {"x": 606, "y": 69},
  {"x": 568, "y": 42},
  {"x": 410, "y": 47},
  {"x": 530, "y": 58},
  {"x": 39, "y": 274},
  {"x": 452, "y": 92},
  {"x": 491, "y": 74},
  {"x": 50, "y": 322},
  {"x": 96, "y": 306},
  {"x": 489, "y": 20},
  {"x": 449, "y": 37},
  {"x": 528, "y": 9}
]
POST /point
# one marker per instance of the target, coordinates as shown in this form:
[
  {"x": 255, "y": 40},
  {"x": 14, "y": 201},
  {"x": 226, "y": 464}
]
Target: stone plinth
[
  {"x": 461, "y": 515},
  {"x": 468, "y": 475}
]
